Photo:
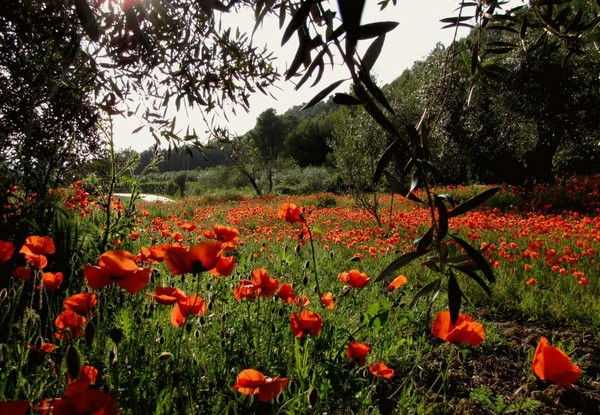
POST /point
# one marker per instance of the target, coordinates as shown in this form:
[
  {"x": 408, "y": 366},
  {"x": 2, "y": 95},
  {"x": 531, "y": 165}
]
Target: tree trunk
[{"x": 539, "y": 159}]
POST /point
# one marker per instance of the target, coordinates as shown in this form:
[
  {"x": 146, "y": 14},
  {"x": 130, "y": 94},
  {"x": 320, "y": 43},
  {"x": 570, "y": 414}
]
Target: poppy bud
[
  {"x": 313, "y": 397},
  {"x": 73, "y": 362},
  {"x": 306, "y": 264},
  {"x": 305, "y": 280},
  {"x": 188, "y": 327},
  {"x": 160, "y": 340},
  {"x": 197, "y": 334},
  {"x": 116, "y": 334},
  {"x": 3, "y": 294},
  {"x": 90, "y": 333},
  {"x": 165, "y": 356},
  {"x": 202, "y": 322},
  {"x": 297, "y": 248}
]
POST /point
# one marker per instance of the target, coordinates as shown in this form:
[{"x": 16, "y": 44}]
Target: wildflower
[
  {"x": 19, "y": 407},
  {"x": 302, "y": 301},
  {"x": 82, "y": 304},
  {"x": 51, "y": 280},
  {"x": 358, "y": 352},
  {"x": 265, "y": 285},
  {"x": 466, "y": 330},
  {"x": 6, "y": 251},
  {"x": 327, "y": 300},
  {"x": 205, "y": 256},
  {"x": 87, "y": 376},
  {"x": 553, "y": 365},
  {"x": 292, "y": 213},
  {"x": 35, "y": 248},
  {"x": 43, "y": 349},
  {"x": 354, "y": 278},
  {"x": 286, "y": 293},
  {"x": 227, "y": 235},
  {"x": 22, "y": 273},
  {"x": 117, "y": 266},
  {"x": 307, "y": 322},
  {"x": 527, "y": 267},
  {"x": 531, "y": 281},
  {"x": 69, "y": 322},
  {"x": 245, "y": 290},
  {"x": 252, "y": 382},
  {"x": 90, "y": 401},
  {"x": 357, "y": 257},
  {"x": 397, "y": 283},
  {"x": 380, "y": 369},
  {"x": 583, "y": 281},
  {"x": 192, "y": 304},
  {"x": 167, "y": 295}
]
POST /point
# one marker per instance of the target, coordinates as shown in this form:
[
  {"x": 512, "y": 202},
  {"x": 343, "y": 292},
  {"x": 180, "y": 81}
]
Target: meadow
[{"x": 272, "y": 305}]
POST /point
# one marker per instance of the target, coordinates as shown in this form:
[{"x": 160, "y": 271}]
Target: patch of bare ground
[{"x": 496, "y": 377}]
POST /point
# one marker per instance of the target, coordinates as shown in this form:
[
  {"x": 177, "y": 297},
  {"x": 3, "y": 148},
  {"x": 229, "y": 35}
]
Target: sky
[{"x": 416, "y": 35}]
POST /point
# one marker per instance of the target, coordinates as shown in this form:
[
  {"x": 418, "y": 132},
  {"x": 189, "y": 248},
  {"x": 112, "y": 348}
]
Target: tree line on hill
[{"x": 535, "y": 119}]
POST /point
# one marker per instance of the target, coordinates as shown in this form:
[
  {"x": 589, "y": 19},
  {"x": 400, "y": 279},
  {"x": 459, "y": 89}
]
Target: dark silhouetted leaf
[
  {"x": 297, "y": 21},
  {"x": 351, "y": 11},
  {"x": 319, "y": 97},
  {"x": 316, "y": 63},
  {"x": 424, "y": 241},
  {"x": 399, "y": 188},
  {"x": 372, "y": 53},
  {"x": 473, "y": 202},
  {"x": 442, "y": 217},
  {"x": 432, "y": 287},
  {"x": 454, "y": 297},
  {"x": 456, "y": 20},
  {"x": 385, "y": 159},
  {"x": 473, "y": 275},
  {"x": 301, "y": 54},
  {"x": 397, "y": 264},
  {"x": 345, "y": 99},
  {"x": 88, "y": 20},
  {"x": 476, "y": 257},
  {"x": 372, "y": 30},
  {"x": 374, "y": 90}
]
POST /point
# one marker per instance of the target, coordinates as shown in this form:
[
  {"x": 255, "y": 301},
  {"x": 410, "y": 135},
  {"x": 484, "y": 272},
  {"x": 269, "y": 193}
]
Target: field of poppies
[{"x": 275, "y": 305}]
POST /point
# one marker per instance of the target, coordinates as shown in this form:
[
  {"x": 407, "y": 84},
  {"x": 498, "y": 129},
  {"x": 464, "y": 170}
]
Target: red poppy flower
[
  {"x": 22, "y": 273},
  {"x": 307, "y": 322},
  {"x": 327, "y": 300},
  {"x": 82, "y": 304},
  {"x": 265, "y": 285},
  {"x": 553, "y": 365},
  {"x": 286, "y": 293},
  {"x": 302, "y": 301},
  {"x": 251, "y": 382},
  {"x": 168, "y": 295},
  {"x": 380, "y": 369},
  {"x": 205, "y": 256},
  {"x": 291, "y": 213},
  {"x": 397, "y": 283},
  {"x": 354, "y": 278},
  {"x": 245, "y": 290},
  {"x": 87, "y": 376},
  {"x": 531, "y": 281},
  {"x": 358, "y": 352},
  {"x": 69, "y": 322},
  {"x": 466, "y": 330},
  {"x": 43, "y": 349},
  {"x": 39, "y": 245},
  {"x": 157, "y": 252},
  {"x": 89, "y": 402},
  {"x": 227, "y": 235},
  {"x": 19, "y": 407},
  {"x": 51, "y": 280},
  {"x": 117, "y": 266},
  {"x": 193, "y": 305},
  {"x": 6, "y": 251}
]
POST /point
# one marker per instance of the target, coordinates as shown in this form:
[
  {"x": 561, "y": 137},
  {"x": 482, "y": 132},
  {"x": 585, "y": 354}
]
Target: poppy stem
[{"x": 314, "y": 262}]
